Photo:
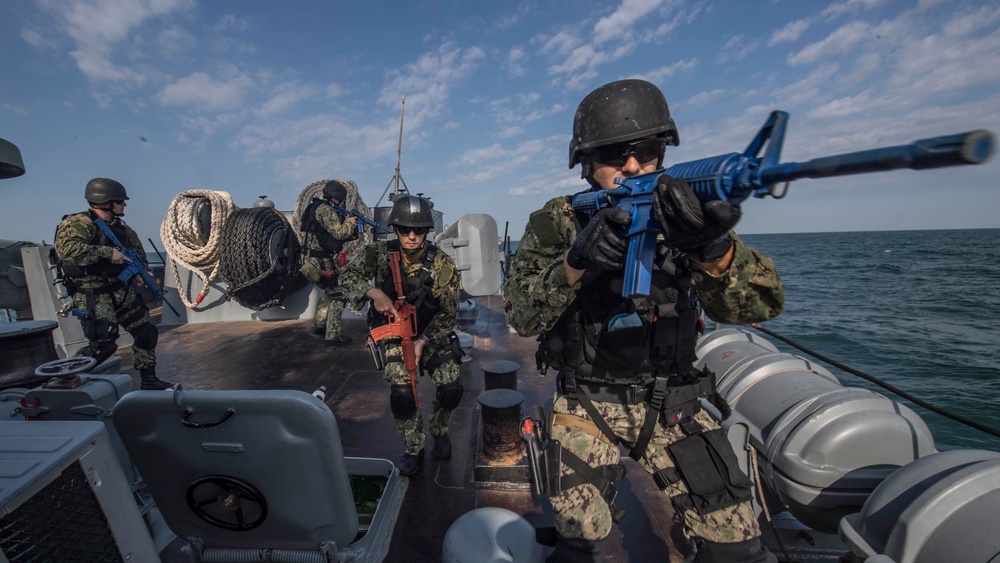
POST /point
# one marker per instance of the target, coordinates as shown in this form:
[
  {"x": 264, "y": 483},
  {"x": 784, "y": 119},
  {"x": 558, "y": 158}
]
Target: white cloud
[
  {"x": 287, "y": 96},
  {"x": 791, "y": 32},
  {"x": 427, "y": 82},
  {"x": 609, "y": 28},
  {"x": 840, "y": 41},
  {"x": 737, "y": 48},
  {"x": 702, "y": 98},
  {"x": 37, "y": 40},
  {"x": 96, "y": 27},
  {"x": 663, "y": 74},
  {"x": 206, "y": 93},
  {"x": 516, "y": 56},
  {"x": 232, "y": 22},
  {"x": 850, "y": 7}
]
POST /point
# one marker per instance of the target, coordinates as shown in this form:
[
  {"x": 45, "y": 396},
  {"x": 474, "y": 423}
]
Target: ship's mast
[
  {"x": 397, "y": 177},
  {"x": 399, "y": 146}
]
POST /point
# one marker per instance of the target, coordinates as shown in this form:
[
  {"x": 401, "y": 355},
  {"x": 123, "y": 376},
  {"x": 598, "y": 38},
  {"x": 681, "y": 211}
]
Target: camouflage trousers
[
  {"x": 412, "y": 430},
  {"x": 581, "y": 512},
  {"x": 123, "y": 307},
  {"x": 330, "y": 308}
]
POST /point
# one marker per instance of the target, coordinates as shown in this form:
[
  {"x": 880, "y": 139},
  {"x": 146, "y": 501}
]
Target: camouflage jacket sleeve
[
  {"x": 360, "y": 274},
  {"x": 73, "y": 241},
  {"x": 446, "y": 290},
  {"x": 331, "y": 223},
  {"x": 135, "y": 244},
  {"x": 536, "y": 291},
  {"x": 749, "y": 291}
]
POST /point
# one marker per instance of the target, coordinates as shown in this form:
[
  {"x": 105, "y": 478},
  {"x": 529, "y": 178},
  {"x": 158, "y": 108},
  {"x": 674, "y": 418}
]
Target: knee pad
[
  {"x": 97, "y": 329},
  {"x": 402, "y": 403},
  {"x": 450, "y": 394},
  {"x": 145, "y": 336}
]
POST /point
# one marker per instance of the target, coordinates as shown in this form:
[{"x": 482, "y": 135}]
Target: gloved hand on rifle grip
[
  {"x": 687, "y": 224},
  {"x": 602, "y": 242}
]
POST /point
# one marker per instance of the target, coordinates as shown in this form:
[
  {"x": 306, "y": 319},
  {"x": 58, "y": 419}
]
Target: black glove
[
  {"x": 687, "y": 224},
  {"x": 602, "y": 242}
]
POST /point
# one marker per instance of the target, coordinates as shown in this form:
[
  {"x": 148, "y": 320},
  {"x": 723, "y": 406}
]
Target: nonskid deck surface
[{"x": 286, "y": 355}]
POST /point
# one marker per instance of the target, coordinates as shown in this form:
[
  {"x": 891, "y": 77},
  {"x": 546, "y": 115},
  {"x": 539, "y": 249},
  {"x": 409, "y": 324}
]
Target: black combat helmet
[
  {"x": 334, "y": 189},
  {"x": 619, "y": 112},
  {"x": 411, "y": 211},
  {"x": 103, "y": 190}
]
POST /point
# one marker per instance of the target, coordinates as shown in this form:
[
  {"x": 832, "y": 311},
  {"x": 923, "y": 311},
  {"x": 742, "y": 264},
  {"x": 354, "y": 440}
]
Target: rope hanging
[
  {"x": 190, "y": 242},
  {"x": 259, "y": 257}
]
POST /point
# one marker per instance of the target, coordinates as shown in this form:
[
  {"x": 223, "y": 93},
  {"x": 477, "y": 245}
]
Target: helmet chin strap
[{"x": 414, "y": 251}]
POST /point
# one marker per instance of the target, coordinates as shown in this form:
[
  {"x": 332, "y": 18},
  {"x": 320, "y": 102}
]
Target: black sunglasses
[
  {"x": 618, "y": 154},
  {"x": 117, "y": 201},
  {"x": 404, "y": 231}
]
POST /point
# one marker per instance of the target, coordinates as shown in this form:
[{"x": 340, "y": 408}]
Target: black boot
[
  {"x": 341, "y": 340},
  {"x": 442, "y": 447},
  {"x": 750, "y": 551},
  {"x": 410, "y": 463},
  {"x": 150, "y": 382},
  {"x": 576, "y": 550}
]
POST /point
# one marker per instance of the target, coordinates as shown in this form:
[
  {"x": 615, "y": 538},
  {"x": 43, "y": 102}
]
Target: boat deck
[{"x": 286, "y": 355}]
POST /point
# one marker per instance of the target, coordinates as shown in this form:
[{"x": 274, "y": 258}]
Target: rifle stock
[{"x": 734, "y": 177}]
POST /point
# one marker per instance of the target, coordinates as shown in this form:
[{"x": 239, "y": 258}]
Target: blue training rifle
[
  {"x": 734, "y": 177},
  {"x": 134, "y": 266},
  {"x": 362, "y": 220}
]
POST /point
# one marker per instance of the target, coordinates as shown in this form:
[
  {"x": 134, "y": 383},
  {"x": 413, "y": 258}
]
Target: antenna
[
  {"x": 397, "y": 177},
  {"x": 399, "y": 146}
]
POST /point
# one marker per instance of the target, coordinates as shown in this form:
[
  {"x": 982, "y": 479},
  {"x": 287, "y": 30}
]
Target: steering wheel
[
  {"x": 227, "y": 502},
  {"x": 65, "y": 366}
]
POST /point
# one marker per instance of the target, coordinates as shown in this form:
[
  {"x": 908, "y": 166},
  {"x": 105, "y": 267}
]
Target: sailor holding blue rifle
[
  {"x": 626, "y": 362},
  {"x": 91, "y": 265},
  {"x": 326, "y": 228}
]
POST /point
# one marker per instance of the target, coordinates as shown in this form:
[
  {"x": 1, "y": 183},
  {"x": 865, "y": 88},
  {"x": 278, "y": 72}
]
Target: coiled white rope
[{"x": 185, "y": 243}]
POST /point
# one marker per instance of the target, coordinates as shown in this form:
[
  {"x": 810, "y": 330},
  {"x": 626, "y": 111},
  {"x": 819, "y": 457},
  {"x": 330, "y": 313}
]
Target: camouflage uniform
[
  {"x": 537, "y": 294},
  {"x": 84, "y": 254},
  {"x": 331, "y": 304},
  {"x": 370, "y": 269}
]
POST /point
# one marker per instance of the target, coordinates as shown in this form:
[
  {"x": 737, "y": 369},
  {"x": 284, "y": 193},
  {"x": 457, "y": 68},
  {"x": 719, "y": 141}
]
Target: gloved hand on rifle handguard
[
  {"x": 699, "y": 230},
  {"x": 602, "y": 242}
]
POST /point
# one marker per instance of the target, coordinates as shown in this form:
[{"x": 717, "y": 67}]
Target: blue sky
[{"x": 260, "y": 97}]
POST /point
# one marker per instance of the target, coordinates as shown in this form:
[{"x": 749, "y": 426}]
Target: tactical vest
[
  {"x": 326, "y": 241},
  {"x": 605, "y": 338},
  {"x": 417, "y": 289},
  {"x": 103, "y": 268}
]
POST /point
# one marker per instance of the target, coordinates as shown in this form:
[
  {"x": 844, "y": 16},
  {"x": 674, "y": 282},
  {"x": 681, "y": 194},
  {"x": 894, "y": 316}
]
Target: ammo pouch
[
  {"x": 708, "y": 466},
  {"x": 682, "y": 401},
  {"x": 310, "y": 271},
  {"x": 452, "y": 351},
  {"x": 377, "y": 350}
]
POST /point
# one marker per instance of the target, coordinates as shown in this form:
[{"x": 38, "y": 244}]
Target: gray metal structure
[
  {"x": 62, "y": 489},
  {"x": 847, "y": 474},
  {"x": 257, "y": 474}
]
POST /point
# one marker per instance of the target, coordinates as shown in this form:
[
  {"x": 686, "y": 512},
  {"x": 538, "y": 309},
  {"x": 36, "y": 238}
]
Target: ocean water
[{"x": 916, "y": 309}]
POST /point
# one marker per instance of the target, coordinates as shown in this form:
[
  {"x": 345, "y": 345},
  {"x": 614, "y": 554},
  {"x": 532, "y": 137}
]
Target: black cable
[
  {"x": 957, "y": 418},
  {"x": 259, "y": 257}
]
